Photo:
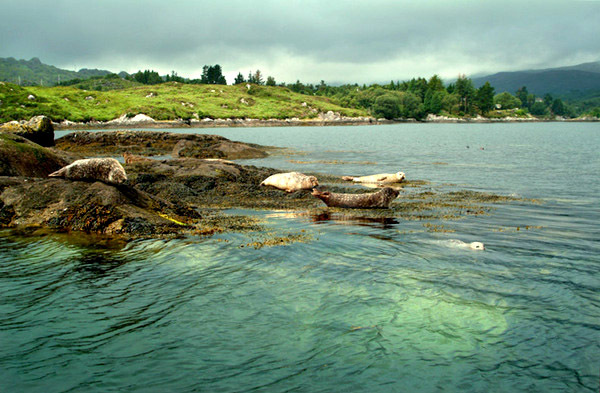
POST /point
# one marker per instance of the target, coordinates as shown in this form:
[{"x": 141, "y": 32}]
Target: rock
[
  {"x": 186, "y": 148},
  {"x": 21, "y": 157},
  {"x": 150, "y": 143},
  {"x": 90, "y": 207},
  {"x": 38, "y": 129}
]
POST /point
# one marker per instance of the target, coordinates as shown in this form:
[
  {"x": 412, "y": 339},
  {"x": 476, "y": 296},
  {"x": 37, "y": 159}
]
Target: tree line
[{"x": 415, "y": 98}]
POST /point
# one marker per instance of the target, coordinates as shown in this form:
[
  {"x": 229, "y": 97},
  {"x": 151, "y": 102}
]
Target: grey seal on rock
[
  {"x": 291, "y": 181},
  {"x": 380, "y": 199},
  {"x": 381, "y": 178},
  {"x": 107, "y": 170}
]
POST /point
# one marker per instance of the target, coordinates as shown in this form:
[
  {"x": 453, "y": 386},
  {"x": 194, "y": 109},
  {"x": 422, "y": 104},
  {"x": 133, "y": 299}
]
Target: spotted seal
[
  {"x": 291, "y": 181},
  {"x": 381, "y": 178},
  {"x": 380, "y": 199},
  {"x": 107, "y": 170}
]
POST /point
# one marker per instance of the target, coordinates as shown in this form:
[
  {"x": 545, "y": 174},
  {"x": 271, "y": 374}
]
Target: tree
[
  {"x": 148, "y": 77},
  {"x": 270, "y": 81},
  {"x": 387, "y": 106},
  {"x": 485, "y": 98},
  {"x": 522, "y": 95},
  {"x": 435, "y": 84},
  {"x": 213, "y": 75},
  {"x": 539, "y": 109},
  {"x": 434, "y": 101},
  {"x": 466, "y": 92},
  {"x": 558, "y": 107},
  {"x": 507, "y": 100},
  {"x": 239, "y": 79},
  {"x": 411, "y": 106}
]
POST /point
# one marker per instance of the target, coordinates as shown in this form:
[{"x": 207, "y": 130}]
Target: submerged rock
[{"x": 39, "y": 130}]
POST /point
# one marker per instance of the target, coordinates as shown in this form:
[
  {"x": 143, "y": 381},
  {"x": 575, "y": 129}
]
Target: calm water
[{"x": 365, "y": 307}]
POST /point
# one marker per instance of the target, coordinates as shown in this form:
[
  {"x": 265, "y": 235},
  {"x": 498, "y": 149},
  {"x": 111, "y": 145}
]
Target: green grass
[{"x": 168, "y": 101}]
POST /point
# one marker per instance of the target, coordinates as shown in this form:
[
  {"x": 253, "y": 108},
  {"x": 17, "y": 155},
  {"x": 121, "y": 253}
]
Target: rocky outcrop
[
  {"x": 21, "y": 157},
  {"x": 93, "y": 207},
  {"x": 39, "y": 130},
  {"x": 151, "y": 143}
]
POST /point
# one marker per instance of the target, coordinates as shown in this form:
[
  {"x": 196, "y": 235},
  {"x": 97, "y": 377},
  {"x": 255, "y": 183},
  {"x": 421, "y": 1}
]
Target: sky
[{"x": 338, "y": 41}]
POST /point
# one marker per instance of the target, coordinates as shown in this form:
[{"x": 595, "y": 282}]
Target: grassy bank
[{"x": 168, "y": 101}]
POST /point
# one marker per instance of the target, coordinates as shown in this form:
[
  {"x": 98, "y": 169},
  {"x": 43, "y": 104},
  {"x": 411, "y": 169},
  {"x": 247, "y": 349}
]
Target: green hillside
[
  {"x": 34, "y": 72},
  {"x": 167, "y": 101}
]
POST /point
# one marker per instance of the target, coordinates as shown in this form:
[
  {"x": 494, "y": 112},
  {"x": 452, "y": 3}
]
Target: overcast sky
[{"x": 334, "y": 40}]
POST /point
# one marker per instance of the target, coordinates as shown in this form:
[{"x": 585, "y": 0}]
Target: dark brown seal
[
  {"x": 107, "y": 170},
  {"x": 380, "y": 199}
]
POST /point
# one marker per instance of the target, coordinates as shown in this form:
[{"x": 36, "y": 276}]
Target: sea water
[{"x": 359, "y": 306}]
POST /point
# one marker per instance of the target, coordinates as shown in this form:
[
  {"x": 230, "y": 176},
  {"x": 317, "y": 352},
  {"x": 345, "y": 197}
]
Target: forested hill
[
  {"x": 34, "y": 72},
  {"x": 563, "y": 80}
]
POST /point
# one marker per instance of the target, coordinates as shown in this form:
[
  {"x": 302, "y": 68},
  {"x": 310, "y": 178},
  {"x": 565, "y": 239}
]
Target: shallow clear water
[{"x": 362, "y": 306}]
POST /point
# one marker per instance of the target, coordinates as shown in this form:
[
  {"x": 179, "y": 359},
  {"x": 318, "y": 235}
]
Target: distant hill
[
  {"x": 34, "y": 73},
  {"x": 562, "y": 80}
]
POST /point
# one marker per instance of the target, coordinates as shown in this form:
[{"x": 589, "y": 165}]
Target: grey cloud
[{"x": 355, "y": 34}]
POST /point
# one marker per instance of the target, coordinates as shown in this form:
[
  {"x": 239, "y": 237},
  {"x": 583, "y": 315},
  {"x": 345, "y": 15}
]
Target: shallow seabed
[{"x": 349, "y": 304}]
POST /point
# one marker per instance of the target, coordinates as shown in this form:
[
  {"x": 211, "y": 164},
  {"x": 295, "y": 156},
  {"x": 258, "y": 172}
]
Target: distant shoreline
[{"x": 232, "y": 123}]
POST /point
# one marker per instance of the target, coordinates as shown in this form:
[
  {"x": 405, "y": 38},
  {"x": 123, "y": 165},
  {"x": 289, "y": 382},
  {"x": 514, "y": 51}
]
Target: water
[{"x": 361, "y": 306}]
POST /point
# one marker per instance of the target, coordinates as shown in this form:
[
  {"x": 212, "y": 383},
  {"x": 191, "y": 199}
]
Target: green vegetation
[
  {"x": 107, "y": 96},
  {"x": 167, "y": 101}
]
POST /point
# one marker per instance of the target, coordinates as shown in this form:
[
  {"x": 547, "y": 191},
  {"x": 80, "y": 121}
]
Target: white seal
[{"x": 291, "y": 181}]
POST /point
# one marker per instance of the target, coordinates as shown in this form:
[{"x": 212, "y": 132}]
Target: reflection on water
[{"x": 366, "y": 304}]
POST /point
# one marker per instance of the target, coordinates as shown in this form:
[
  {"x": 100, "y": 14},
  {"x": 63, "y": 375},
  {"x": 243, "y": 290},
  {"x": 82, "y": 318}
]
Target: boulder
[
  {"x": 21, "y": 157},
  {"x": 39, "y": 130}
]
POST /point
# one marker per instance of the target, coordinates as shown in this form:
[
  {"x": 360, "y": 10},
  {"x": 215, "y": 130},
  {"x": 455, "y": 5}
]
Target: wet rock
[
  {"x": 92, "y": 207},
  {"x": 38, "y": 129},
  {"x": 149, "y": 143},
  {"x": 21, "y": 157}
]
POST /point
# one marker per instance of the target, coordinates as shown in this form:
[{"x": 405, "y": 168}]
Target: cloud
[{"x": 343, "y": 41}]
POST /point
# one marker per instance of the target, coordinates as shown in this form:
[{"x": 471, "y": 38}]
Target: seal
[
  {"x": 291, "y": 181},
  {"x": 375, "y": 200},
  {"x": 132, "y": 158},
  {"x": 478, "y": 246},
  {"x": 381, "y": 178},
  {"x": 107, "y": 170}
]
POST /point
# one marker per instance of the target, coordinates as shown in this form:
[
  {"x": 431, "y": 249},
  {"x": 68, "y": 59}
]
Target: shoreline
[{"x": 294, "y": 122}]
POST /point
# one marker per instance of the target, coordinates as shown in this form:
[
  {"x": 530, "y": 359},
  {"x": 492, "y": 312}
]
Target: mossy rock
[{"x": 21, "y": 157}]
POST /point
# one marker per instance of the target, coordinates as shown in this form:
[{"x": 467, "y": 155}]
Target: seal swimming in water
[
  {"x": 380, "y": 199},
  {"x": 291, "y": 181},
  {"x": 381, "y": 178},
  {"x": 107, "y": 170},
  {"x": 478, "y": 246}
]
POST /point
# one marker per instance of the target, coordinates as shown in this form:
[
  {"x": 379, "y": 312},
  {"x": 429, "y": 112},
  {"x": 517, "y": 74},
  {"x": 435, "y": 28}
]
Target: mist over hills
[{"x": 562, "y": 80}]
